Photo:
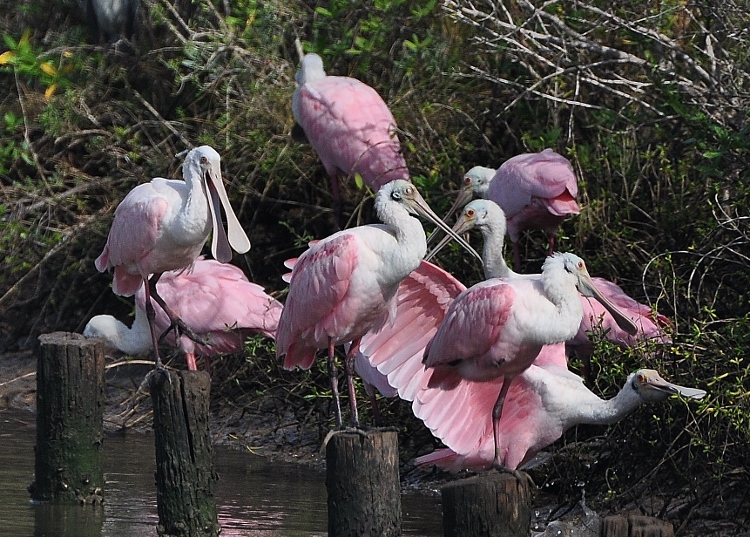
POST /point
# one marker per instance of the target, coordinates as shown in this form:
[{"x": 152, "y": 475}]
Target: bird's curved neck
[
  {"x": 492, "y": 254},
  {"x": 409, "y": 234},
  {"x": 607, "y": 411}
]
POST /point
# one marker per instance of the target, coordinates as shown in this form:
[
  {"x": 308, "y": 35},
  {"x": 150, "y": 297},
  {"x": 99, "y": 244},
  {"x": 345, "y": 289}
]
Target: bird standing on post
[
  {"x": 345, "y": 285},
  {"x": 162, "y": 225},
  {"x": 349, "y": 126},
  {"x": 217, "y": 302},
  {"x": 498, "y": 327},
  {"x": 535, "y": 190}
]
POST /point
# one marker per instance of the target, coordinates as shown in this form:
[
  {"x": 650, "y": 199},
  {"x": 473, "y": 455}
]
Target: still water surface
[{"x": 255, "y": 498}]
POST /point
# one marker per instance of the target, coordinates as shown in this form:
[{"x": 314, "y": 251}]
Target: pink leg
[
  {"x": 333, "y": 375},
  {"x": 151, "y": 315},
  {"x": 190, "y": 359},
  {"x": 349, "y": 369},
  {"x": 551, "y": 249},
  {"x": 516, "y": 257},
  {"x": 497, "y": 413}
]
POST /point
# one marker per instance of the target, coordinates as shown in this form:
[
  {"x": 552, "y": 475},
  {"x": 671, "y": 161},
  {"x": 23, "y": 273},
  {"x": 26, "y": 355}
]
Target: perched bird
[
  {"x": 497, "y": 328},
  {"x": 215, "y": 299},
  {"x": 488, "y": 217},
  {"x": 349, "y": 126},
  {"x": 112, "y": 20},
  {"x": 345, "y": 285},
  {"x": 535, "y": 190},
  {"x": 162, "y": 225},
  {"x": 543, "y": 402}
]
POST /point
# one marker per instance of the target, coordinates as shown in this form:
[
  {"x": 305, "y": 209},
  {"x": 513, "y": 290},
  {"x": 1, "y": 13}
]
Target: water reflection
[{"x": 255, "y": 498}]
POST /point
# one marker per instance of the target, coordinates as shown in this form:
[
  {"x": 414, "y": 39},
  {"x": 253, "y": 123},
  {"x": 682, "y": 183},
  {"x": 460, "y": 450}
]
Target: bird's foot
[
  {"x": 157, "y": 376},
  {"x": 522, "y": 477}
]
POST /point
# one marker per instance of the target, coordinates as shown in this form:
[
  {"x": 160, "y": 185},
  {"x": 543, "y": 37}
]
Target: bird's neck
[
  {"x": 608, "y": 411},
  {"x": 492, "y": 254},
  {"x": 563, "y": 294},
  {"x": 194, "y": 216}
]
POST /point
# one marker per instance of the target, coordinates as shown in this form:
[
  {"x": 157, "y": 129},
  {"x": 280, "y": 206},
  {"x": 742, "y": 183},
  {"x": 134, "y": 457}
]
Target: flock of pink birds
[{"x": 485, "y": 367}]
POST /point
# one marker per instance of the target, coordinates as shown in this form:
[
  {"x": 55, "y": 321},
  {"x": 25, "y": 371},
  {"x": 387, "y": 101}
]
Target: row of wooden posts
[{"x": 362, "y": 475}]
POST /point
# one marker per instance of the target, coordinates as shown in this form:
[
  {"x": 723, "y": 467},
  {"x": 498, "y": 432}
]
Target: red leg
[
  {"x": 349, "y": 369},
  {"x": 333, "y": 375}
]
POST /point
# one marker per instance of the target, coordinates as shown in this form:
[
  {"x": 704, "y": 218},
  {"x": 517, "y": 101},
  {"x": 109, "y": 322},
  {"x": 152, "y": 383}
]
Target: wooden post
[
  {"x": 494, "y": 504},
  {"x": 635, "y": 526},
  {"x": 364, "y": 492},
  {"x": 68, "y": 458},
  {"x": 185, "y": 475}
]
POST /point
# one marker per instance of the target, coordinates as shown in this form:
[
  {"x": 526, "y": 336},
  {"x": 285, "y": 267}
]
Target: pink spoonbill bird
[
  {"x": 216, "y": 300},
  {"x": 162, "y": 225},
  {"x": 349, "y": 126},
  {"x": 497, "y": 328},
  {"x": 536, "y": 191},
  {"x": 488, "y": 217},
  {"x": 345, "y": 285},
  {"x": 543, "y": 402}
]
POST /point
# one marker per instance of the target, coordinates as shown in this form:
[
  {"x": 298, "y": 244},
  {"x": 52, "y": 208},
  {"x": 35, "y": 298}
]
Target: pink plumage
[
  {"x": 541, "y": 404},
  {"x": 214, "y": 299},
  {"x": 162, "y": 225},
  {"x": 349, "y": 126},
  {"x": 651, "y": 325},
  {"x": 392, "y": 356},
  {"x": 535, "y": 190}
]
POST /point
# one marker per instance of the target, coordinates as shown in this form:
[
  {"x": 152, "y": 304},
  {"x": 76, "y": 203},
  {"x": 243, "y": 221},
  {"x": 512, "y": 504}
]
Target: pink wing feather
[{"x": 351, "y": 129}]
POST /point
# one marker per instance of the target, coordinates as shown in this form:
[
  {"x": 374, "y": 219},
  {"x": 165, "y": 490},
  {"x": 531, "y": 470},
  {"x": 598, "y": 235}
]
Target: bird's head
[
  {"x": 575, "y": 267},
  {"x": 311, "y": 69},
  {"x": 652, "y": 388},
  {"x": 485, "y": 215}
]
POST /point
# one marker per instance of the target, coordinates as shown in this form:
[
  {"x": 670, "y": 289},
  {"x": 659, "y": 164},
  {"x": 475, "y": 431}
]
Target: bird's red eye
[
  {"x": 467, "y": 180},
  {"x": 641, "y": 378},
  {"x": 580, "y": 264},
  {"x": 204, "y": 160},
  {"x": 470, "y": 213}
]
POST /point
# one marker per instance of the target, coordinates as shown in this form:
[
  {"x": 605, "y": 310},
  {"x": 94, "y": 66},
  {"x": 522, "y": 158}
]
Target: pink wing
[
  {"x": 217, "y": 302},
  {"x": 138, "y": 216},
  {"x": 547, "y": 176},
  {"x": 318, "y": 287},
  {"x": 395, "y": 352},
  {"x": 471, "y": 330},
  {"x": 462, "y": 417},
  {"x": 351, "y": 129},
  {"x": 651, "y": 325}
]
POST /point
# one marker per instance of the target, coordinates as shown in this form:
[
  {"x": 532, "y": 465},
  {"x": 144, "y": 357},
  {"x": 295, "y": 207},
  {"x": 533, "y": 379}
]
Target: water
[{"x": 255, "y": 498}]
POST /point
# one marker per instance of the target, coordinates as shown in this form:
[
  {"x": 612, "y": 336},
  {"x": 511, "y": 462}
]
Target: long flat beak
[
  {"x": 589, "y": 289},
  {"x": 235, "y": 238},
  {"x": 464, "y": 196},
  {"x": 656, "y": 382},
  {"x": 461, "y": 226},
  {"x": 421, "y": 207}
]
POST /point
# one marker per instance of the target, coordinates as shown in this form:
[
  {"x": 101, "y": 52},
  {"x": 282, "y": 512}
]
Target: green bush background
[{"x": 648, "y": 100}]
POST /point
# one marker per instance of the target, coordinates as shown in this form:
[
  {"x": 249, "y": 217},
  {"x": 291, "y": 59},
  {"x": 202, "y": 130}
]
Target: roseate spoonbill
[
  {"x": 214, "y": 299},
  {"x": 112, "y": 20},
  {"x": 536, "y": 191},
  {"x": 349, "y": 126},
  {"x": 162, "y": 225},
  {"x": 543, "y": 402},
  {"x": 488, "y": 217},
  {"x": 345, "y": 285},
  {"x": 498, "y": 327}
]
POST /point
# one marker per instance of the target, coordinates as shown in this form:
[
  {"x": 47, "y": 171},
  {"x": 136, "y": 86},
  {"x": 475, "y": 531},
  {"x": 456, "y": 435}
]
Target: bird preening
[{"x": 162, "y": 225}]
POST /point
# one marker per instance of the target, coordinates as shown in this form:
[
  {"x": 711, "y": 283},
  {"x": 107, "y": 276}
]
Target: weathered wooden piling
[
  {"x": 68, "y": 457},
  {"x": 635, "y": 526},
  {"x": 185, "y": 475},
  {"x": 493, "y": 504},
  {"x": 364, "y": 492}
]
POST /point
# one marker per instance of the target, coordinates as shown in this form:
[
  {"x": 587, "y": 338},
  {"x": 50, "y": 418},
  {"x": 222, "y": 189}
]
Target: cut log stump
[
  {"x": 493, "y": 504},
  {"x": 364, "y": 492},
  {"x": 185, "y": 475},
  {"x": 68, "y": 459}
]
